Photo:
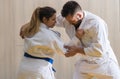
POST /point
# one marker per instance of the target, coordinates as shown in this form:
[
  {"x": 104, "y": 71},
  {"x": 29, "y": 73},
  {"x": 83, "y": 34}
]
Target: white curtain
[{"x": 14, "y": 13}]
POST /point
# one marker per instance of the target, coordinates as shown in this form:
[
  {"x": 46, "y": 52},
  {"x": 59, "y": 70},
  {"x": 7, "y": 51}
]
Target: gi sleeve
[
  {"x": 60, "y": 21},
  {"x": 99, "y": 40},
  {"x": 58, "y": 43}
]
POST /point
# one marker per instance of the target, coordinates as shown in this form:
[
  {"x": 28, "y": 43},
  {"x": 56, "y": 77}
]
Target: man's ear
[{"x": 79, "y": 15}]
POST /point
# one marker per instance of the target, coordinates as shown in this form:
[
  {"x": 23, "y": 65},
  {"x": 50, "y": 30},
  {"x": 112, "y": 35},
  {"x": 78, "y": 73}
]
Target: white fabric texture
[
  {"x": 45, "y": 38},
  {"x": 43, "y": 44},
  {"x": 35, "y": 69},
  {"x": 99, "y": 58}
]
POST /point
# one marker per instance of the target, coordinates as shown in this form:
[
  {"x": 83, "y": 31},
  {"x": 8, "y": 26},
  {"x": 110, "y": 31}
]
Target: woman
[{"x": 40, "y": 45}]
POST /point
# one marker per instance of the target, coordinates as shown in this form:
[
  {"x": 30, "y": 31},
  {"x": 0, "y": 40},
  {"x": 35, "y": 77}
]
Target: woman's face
[{"x": 51, "y": 21}]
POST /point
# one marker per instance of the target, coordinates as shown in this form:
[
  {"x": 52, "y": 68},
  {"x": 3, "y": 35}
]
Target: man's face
[{"x": 72, "y": 19}]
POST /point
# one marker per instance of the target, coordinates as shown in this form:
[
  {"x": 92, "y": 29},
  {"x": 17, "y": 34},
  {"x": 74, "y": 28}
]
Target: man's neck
[{"x": 78, "y": 24}]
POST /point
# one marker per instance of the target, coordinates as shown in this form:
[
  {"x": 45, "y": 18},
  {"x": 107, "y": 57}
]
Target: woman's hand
[
  {"x": 70, "y": 51},
  {"x": 73, "y": 50}
]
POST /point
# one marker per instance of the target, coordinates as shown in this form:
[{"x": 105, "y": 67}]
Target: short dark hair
[{"x": 70, "y": 7}]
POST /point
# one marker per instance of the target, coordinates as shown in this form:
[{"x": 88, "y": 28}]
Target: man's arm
[{"x": 60, "y": 21}]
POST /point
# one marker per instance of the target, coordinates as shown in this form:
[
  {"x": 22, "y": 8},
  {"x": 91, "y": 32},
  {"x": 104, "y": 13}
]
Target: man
[{"x": 97, "y": 59}]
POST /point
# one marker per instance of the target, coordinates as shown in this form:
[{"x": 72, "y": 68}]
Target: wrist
[{"x": 81, "y": 51}]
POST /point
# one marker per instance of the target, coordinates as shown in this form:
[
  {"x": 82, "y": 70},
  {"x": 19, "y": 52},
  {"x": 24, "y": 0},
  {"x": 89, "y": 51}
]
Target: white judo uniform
[
  {"x": 43, "y": 44},
  {"x": 99, "y": 61}
]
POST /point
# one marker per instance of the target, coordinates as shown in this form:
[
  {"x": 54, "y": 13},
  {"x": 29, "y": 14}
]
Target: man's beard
[{"x": 77, "y": 24}]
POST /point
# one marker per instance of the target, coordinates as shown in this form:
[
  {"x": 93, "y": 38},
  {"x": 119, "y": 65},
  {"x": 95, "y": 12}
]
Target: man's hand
[{"x": 79, "y": 33}]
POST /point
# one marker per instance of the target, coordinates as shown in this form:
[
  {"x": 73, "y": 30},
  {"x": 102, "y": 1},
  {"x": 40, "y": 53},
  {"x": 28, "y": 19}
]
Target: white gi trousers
[
  {"x": 35, "y": 69},
  {"x": 91, "y": 70}
]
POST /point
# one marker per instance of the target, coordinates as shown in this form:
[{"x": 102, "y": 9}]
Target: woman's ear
[{"x": 44, "y": 20}]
